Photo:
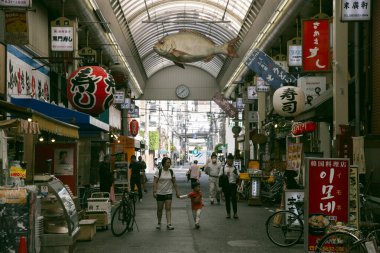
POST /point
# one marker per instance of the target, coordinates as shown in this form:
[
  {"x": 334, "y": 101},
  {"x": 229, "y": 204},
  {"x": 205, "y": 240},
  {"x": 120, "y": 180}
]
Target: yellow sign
[{"x": 18, "y": 172}]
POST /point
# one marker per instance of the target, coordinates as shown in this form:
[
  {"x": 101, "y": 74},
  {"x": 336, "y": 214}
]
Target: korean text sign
[
  {"x": 327, "y": 195},
  {"x": 316, "y": 45}
]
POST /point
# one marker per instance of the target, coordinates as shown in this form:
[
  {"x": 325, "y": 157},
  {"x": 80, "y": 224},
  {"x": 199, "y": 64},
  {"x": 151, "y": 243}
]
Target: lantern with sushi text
[
  {"x": 134, "y": 127},
  {"x": 289, "y": 101},
  {"x": 90, "y": 90}
]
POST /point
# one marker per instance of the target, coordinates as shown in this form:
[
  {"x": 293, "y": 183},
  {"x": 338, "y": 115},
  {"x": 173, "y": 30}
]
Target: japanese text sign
[
  {"x": 226, "y": 106},
  {"x": 316, "y": 43},
  {"x": 327, "y": 194},
  {"x": 266, "y": 68},
  {"x": 354, "y": 10}
]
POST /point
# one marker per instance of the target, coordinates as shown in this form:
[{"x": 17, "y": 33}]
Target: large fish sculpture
[{"x": 190, "y": 46}]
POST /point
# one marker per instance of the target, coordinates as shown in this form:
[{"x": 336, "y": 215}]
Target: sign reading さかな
[{"x": 327, "y": 194}]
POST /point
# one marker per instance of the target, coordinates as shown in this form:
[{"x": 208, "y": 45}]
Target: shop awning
[
  {"x": 320, "y": 110},
  {"x": 85, "y": 122},
  {"x": 45, "y": 123}
]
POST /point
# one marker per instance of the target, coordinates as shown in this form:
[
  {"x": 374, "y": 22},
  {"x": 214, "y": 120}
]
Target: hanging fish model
[{"x": 190, "y": 46}]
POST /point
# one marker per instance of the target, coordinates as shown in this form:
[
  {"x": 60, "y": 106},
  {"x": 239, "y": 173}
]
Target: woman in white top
[
  {"x": 230, "y": 190},
  {"x": 163, "y": 183}
]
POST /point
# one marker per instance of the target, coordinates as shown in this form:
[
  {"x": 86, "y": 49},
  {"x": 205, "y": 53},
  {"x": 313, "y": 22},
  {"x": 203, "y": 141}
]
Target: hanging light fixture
[{"x": 41, "y": 139}]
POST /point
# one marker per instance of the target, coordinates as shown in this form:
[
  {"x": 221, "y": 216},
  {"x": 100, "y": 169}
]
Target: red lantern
[
  {"x": 90, "y": 89},
  {"x": 303, "y": 127},
  {"x": 134, "y": 127}
]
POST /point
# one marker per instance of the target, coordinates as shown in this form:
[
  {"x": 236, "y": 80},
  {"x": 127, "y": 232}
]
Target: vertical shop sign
[
  {"x": 261, "y": 86},
  {"x": 266, "y": 68},
  {"x": 316, "y": 41},
  {"x": 16, "y": 28},
  {"x": 226, "y": 106},
  {"x": 327, "y": 193},
  {"x": 295, "y": 55},
  {"x": 62, "y": 34},
  {"x": 26, "y": 76},
  {"x": 354, "y": 10},
  {"x": 251, "y": 92},
  {"x": 2, "y": 69}
]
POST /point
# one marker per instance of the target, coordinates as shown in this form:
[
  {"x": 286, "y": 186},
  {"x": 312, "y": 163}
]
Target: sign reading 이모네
[{"x": 327, "y": 197}]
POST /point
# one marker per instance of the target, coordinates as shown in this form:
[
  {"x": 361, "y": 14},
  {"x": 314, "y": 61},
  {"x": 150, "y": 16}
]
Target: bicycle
[
  {"x": 285, "y": 228},
  {"x": 124, "y": 216},
  {"x": 346, "y": 239}
]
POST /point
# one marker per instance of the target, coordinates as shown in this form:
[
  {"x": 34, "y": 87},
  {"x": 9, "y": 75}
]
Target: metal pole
[{"x": 357, "y": 80}]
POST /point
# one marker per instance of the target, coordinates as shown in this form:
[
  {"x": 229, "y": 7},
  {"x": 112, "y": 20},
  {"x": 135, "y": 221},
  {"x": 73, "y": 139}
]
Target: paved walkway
[{"x": 217, "y": 234}]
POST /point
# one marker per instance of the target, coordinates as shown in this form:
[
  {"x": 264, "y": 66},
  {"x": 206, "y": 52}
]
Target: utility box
[{"x": 99, "y": 208}]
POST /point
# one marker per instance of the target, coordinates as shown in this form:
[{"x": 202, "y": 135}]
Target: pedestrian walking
[
  {"x": 105, "y": 175},
  {"x": 229, "y": 189},
  {"x": 195, "y": 172},
  {"x": 163, "y": 184},
  {"x": 143, "y": 178},
  {"x": 134, "y": 176},
  {"x": 212, "y": 169},
  {"x": 196, "y": 202}
]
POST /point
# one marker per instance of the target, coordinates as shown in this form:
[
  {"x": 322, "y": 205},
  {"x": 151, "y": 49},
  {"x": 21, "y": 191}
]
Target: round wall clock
[{"x": 182, "y": 91}]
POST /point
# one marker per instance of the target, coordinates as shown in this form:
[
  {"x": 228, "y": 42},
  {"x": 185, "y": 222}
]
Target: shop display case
[{"x": 61, "y": 225}]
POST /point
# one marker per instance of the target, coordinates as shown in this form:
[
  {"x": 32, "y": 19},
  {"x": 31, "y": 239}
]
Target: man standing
[
  {"x": 143, "y": 178},
  {"x": 105, "y": 175},
  {"x": 134, "y": 173},
  {"x": 213, "y": 167}
]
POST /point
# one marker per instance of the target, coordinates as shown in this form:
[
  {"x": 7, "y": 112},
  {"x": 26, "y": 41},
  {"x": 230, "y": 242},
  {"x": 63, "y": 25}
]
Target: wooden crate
[{"x": 87, "y": 229}]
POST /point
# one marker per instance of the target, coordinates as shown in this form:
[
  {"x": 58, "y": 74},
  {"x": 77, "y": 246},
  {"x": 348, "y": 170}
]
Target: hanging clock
[{"x": 182, "y": 91}]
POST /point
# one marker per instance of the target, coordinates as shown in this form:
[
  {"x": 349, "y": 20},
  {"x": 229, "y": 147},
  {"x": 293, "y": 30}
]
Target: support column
[{"x": 340, "y": 70}]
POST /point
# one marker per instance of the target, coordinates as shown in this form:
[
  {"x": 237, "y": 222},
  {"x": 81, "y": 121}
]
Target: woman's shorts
[{"x": 164, "y": 197}]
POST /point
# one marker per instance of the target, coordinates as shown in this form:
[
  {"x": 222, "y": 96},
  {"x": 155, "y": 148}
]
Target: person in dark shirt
[
  {"x": 134, "y": 173},
  {"x": 105, "y": 175},
  {"x": 143, "y": 178}
]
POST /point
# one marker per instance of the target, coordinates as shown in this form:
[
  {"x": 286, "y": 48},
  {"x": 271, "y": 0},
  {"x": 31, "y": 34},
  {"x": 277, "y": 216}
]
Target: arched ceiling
[{"x": 150, "y": 20}]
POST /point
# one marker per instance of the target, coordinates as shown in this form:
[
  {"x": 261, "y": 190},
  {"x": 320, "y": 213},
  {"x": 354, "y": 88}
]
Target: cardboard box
[{"x": 87, "y": 229}]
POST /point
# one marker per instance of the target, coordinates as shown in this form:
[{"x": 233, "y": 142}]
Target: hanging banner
[
  {"x": 316, "y": 45},
  {"x": 354, "y": 10},
  {"x": 16, "y": 28},
  {"x": 266, "y": 68},
  {"x": 226, "y": 106},
  {"x": 62, "y": 34},
  {"x": 327, "y": 195}
]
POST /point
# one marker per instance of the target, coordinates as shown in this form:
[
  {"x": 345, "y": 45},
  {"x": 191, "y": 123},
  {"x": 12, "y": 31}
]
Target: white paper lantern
[{"x": 289, "y": 101}]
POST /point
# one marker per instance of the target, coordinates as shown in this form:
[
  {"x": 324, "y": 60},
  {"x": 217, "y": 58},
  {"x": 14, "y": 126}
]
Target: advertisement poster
[
  {"x": 16, "y": 28},
  {"x": 64, "y": 161},
  {"x": 294, "y": 156},
  {"x": 327, "y": 193}
]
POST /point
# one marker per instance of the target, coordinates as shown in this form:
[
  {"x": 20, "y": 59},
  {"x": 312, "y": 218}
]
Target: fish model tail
[{"x": 229, "y": 48}]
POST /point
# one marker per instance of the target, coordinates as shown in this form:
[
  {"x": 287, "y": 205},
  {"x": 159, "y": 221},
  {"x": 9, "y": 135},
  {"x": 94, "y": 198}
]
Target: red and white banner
[
  {"x": 327, "y": 197},
  {"x": 316, "y": 45}
]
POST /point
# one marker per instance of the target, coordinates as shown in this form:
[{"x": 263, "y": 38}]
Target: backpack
[{"x": 160, "y": 171}]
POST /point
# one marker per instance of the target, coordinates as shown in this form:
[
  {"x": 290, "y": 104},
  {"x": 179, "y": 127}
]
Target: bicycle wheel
[
  {"x": 340, "y": 241},
  {"x": 121, "y": 219},
  {"x": 284, "y": 228},
  {"x": 376, "y": 235}
]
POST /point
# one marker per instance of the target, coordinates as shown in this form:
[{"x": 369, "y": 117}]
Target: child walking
[{"x": 196, "y": 202}]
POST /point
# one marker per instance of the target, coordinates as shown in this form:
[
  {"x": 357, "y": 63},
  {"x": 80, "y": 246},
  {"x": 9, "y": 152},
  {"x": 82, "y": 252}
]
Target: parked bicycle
[
  {"x": 124, "y": 216},
  {"x": 285, "y": 228},
  {"x": 347, "y": 239}
]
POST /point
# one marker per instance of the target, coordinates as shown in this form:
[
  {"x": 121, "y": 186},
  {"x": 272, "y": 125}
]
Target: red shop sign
[
  {"x": 327, "y": 193},
  {"x": 303, "y": 127},
  {"x": 134, "y": 127},
  {"x": 316, "y": 45}
]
